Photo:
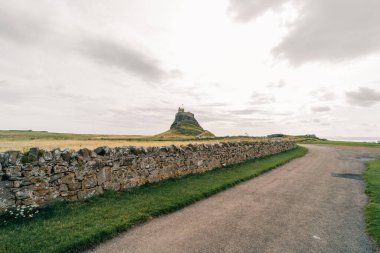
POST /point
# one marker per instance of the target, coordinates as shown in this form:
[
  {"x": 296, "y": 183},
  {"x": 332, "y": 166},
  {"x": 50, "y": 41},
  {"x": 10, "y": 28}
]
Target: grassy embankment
[
  {"x": 69, "y": 227},
  {"x": 372, "y": 212}
]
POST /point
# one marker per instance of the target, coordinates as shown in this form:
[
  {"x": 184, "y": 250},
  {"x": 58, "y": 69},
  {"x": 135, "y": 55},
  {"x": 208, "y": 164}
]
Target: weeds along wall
[{"x": 39, "y": 177}]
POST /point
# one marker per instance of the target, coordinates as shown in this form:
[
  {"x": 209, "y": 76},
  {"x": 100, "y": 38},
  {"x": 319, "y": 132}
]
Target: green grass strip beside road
[
  {"x": 71, "y": 227},
  {"x": 372, "y": 212},
  {"x": 343, "y": 143}
]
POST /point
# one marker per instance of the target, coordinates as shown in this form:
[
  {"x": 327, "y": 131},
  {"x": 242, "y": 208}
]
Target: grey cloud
[
  {"x": 13, "y": 97},
  {"x": 155, "y": 111},
  {"x": 231, "y": 118},
  {"x": 211, "y": 118},
  {"x": 323, "y": 94},
  {"x": 363, "y": 97},
  {"x": 17, "y": 95},
  {"x": 228, "y": 117},
  {"x": 260, "y": 99},
  {"x": 126, "y": 58},
  {"x": 156, "y": 115},
  {"x": 327, "y": 96},
  {"x": 246, "y": 10},
  {"x": 28, "y": 25},
  {"x": 320, "y": 108},
  {"x": 251, "y": 111},
  {"x": 175, "y": 73},
  {"x": 248, "y": 111},
  {"x": 332, "y": 31},
  {"x": 236, "y": 116},
  {"x": 325, "y": 30},
  {"x": 279, "y": 84},
  {"x": 196, "y": 92},
  {"x": 59, "y": 92},
  {"x": 310, "y": 121},
  {"x": 3, "y": 83},
  {"x": 21, "y": 26},
  {"x": 215, "y": 105}
]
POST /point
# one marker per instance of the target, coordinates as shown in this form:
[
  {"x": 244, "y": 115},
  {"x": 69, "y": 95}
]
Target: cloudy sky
[{"x": 242, "y": 66}]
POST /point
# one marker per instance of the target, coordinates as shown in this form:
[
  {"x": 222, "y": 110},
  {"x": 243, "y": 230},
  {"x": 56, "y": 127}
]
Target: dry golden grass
[
  {"x": 25, "y": 145},
  {"x": 24, "y": 140}
]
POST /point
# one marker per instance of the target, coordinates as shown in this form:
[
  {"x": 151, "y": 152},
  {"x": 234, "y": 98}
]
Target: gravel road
[{"x": 312, "y": 204}]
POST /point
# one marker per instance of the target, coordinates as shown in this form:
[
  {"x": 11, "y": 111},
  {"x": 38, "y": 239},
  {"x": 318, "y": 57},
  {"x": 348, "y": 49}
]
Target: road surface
[{"x": 312, "y": 204}]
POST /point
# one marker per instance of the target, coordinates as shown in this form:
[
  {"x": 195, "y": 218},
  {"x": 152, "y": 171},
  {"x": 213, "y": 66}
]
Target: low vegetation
[
  {"x": 313, "y": 139},
  {"x": 372, "y": 212},
  {"x": 16, "y": 135},
  {"x": 70, "y": 227},
  {"x": 342, "y": 143}
]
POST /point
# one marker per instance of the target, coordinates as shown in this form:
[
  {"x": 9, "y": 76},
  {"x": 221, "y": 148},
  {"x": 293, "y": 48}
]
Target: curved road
[{"x": 312, "y": 204}]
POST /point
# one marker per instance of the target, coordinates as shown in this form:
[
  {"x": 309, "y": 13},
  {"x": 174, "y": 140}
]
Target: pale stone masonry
[{"x": 39, "y": 177}]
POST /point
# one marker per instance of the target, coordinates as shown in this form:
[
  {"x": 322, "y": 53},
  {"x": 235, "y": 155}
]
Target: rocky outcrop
[
  {"x": 39, "y": 177},
  {"x": 184, "y": 117},
  {"x": 185, "y": 125}
]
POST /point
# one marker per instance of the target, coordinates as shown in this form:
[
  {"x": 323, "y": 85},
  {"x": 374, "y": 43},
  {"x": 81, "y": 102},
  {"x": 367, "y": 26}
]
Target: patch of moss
[
  {"x": 25, "y": 157},
  {"x": 40, "y": 153}
]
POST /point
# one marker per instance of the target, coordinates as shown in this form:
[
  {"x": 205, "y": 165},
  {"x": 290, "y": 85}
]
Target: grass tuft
[{"x": 75, "y": 226}]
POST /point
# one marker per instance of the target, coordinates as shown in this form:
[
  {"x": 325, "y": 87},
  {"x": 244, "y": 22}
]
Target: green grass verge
[
  {"x": 343, "y": 143},
  {"x": 36, "y": 135},
  {"x": 71, "y": 227},
  {"x": 372, "y": 212}
]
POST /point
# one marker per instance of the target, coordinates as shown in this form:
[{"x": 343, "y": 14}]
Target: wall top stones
[{"x": 36, "y": 155}]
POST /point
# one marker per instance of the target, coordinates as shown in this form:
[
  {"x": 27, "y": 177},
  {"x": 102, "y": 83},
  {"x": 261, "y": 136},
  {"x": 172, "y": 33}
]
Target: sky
[{"x": 241, "y": 66}]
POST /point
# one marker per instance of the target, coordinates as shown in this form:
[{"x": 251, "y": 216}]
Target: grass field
[
  {"x": 372, "y": 212},
  {"x": 70, "y": 227},
  {"x": 25, "y": 145},
  {"x": 24, "y": 140},
  {"x": 342, "y": 143}
]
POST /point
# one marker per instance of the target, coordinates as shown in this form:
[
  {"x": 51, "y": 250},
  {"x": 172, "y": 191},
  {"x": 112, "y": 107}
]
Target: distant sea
[{"x": 354, "y": 139}]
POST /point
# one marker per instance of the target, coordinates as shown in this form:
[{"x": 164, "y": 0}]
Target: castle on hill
[
  {"x": 185, "y": 125},
  {"x": 182, "y": 116}
]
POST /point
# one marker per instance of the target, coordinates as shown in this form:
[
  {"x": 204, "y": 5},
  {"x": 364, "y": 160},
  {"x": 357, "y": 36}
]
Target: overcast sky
[{"x": 256, "y": 67}]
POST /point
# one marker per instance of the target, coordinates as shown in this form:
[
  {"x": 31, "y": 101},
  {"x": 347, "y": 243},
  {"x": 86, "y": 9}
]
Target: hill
[{"x": 185, "y": 126}]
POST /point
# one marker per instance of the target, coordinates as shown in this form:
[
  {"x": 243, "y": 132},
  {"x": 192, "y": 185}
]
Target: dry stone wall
[{"x": 39, "y": 177}]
